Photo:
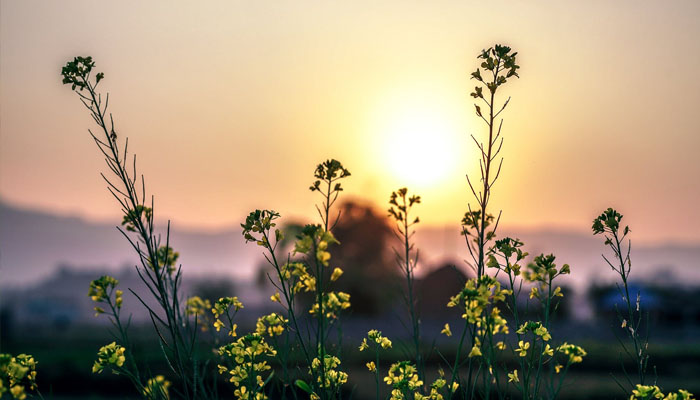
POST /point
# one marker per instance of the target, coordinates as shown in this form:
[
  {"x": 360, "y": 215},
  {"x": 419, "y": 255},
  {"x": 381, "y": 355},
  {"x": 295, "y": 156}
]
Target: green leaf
[{"x": 303, "y": 386}]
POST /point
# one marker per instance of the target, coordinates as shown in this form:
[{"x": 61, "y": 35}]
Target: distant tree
[{"x": 366, "y": 257}]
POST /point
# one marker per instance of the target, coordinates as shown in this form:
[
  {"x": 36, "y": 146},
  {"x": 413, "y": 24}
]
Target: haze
[{"x": 230, "y": 105}]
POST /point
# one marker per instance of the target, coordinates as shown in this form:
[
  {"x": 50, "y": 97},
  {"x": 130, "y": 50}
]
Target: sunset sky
[{"x": 230, "y": 105}]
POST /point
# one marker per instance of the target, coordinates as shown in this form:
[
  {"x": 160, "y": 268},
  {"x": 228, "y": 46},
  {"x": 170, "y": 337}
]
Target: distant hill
[{"x": 33, "y": 244}]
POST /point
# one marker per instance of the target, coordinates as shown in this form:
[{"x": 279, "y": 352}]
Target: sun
[{"x": 421, "y": 146}]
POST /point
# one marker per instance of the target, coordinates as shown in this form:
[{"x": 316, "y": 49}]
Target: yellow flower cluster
[
  {"x": 435, "y": 388},
  {"x": 17, "y": 375},
  {"x": 257, "y": 226},
  {"x": 403, "y": 376},
  {"x": 332, "y": 378},
  {"x": 535, "y": 327},
  {"x": 198, "y": 307},
  {"x": 544, "y": 270},
  {"x": 167, "y": 257},
  {"x": 575, "y": 353},
  {"x": 495, "y": 321},
  {"x": 248, "y": 355},
  {"x": 332, "y": 303},
  {"x": 302, "y": 279},
  {"x": 643, "y": 392},
  {"x": 536, "y": 291},
  {"x": 476, "y": 349},
  {"x": 223, "y": 307},
  {"x": 101, "y": 292},
  {"x": 272, "y": 324},
  {"x": 376, "y": 337},
  {"x": 111, "y": 355},
  {"x": 477, "y": 294},
  {"x": 133, "y": 221},
  {"x": 315, "y": 237},
  {"x": 157, "y": 388}
]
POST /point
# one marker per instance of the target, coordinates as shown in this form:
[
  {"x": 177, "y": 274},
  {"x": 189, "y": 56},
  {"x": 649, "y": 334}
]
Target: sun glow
[{"x": 421, "y": 146}]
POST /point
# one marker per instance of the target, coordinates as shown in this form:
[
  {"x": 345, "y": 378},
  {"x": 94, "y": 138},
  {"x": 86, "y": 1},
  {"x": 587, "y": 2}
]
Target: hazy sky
[{"x": 230, "y": 105}]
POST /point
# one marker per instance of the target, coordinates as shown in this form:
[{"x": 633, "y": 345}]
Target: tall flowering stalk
[
  {"x": 498, "y": 65},
  {"x": 608, "y": 223},
  {"x": 630, "y": 320},
  {"x": 485, "y": 331},
  {"x": 310, "y": 273},
  {"x": 158, "y": 269},
  {"x": 400, "y": 208}
]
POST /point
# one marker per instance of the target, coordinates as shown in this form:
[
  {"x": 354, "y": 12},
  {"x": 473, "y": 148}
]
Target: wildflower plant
[
  {"x": 247, "y": 365},
  {"x": 306, "y": 270},
  {"x": 400, "y": 207},
  {"x": 608, "y": 223},
  {"x": 226, "y": 309},
  {"x": 157, "y": 388},
  {"x": 649, "y": 392},
  {"x": 404, "y": 380},
  {"x": 481, "y": 371},
  {"x": 18, "y": 376},
  {"x": 498, "y": 64},
  {"x": 630, "y": 320},
  {"x": 158, "y": 267},
  {"x": 377, "y": 342}
]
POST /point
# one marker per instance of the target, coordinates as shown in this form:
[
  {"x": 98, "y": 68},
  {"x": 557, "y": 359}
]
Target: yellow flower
[
  {"x": 476, "y": 352},
  {"x": 157, "y": 385},
  {"x": 534, "y": 292},
  {"x": 18, "y": 392},
  {"x": 513, "y": 376},
  {"x": 624, "y": 323},
  {"x": 548, "y": 350},
  {"x": 109, "y": 355},
  {"x": 543, "y": 332},
  {"x": 558, "y": 367},
  {"x": 376, "y": 336},
  {"x": 232, "y": 332},
  {"x": 455, "y": 385},
  {"x": 575, "y": 353},
  {"x": 218, "y": 325},
  {"x": 118, "y": 298},
  {"x": 364, "y": 346},
  {"x": 522, "y": 348},
  {"x": 371, "y": 366},
  {"x": 276, "y": 298},
  {"x": 446, "y": 330},
  {"x": 385, "y": 343},
  {"x": 336, "y": 274},
  {"x": 500, "y": 345},
  {"x": 557, "y": 292}
]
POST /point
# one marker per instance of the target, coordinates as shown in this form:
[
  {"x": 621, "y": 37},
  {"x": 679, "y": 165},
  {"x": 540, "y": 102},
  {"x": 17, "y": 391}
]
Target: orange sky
[{"x": 230, "y": 105}]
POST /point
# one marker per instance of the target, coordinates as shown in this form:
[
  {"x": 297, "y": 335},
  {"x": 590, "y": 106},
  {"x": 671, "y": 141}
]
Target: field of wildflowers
[{"x": 297, "y": 352}]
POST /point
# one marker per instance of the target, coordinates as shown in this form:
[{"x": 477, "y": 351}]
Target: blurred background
[{"x": 231, "y": 105}]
